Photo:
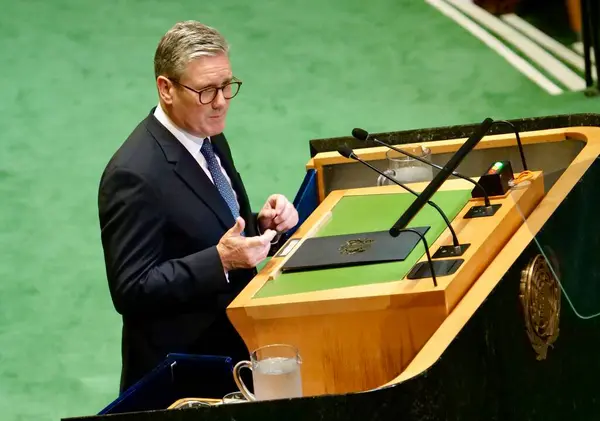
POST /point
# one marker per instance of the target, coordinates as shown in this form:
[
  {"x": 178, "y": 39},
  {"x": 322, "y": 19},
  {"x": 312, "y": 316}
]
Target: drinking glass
[{"x": 275, "y": 373}]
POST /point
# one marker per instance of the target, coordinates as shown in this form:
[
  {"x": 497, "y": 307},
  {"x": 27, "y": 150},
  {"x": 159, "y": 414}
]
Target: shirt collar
[{"x": 190, "y": 142}]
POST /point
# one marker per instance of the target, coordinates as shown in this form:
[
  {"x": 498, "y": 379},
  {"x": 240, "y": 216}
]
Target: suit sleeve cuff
[{"x": 210, "y": 269}]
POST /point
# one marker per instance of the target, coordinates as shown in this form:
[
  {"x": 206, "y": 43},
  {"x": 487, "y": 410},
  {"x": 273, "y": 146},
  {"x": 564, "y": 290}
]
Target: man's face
[{"x": 185, "y": 108}]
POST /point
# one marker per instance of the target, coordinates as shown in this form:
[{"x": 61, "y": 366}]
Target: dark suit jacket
[{"x": 161, "y": 219}]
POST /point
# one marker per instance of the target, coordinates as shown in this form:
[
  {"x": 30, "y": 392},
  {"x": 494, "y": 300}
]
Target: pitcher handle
[
  {"x": 238, "y": 380},
  {"x": 382, "y": 181}
]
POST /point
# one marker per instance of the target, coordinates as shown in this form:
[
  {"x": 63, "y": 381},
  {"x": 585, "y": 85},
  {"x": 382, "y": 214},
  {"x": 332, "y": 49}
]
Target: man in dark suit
[{"x": 180, "y": 240}]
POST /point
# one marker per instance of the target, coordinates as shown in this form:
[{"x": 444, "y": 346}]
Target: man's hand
[
  {"x": 239, "y": 252},
  {"x": 277, "y": 214}
]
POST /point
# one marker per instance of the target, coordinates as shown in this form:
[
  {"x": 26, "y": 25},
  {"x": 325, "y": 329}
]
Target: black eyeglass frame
[{"x": 233, "y": 81}]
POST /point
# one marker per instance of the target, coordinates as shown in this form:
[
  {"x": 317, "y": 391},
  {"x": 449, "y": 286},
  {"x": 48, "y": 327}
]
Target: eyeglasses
[{"x": 208, "y": 95}]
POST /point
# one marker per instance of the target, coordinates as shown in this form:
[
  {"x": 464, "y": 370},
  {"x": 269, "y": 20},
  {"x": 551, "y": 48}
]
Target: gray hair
[{"x": 184, "y": 42}]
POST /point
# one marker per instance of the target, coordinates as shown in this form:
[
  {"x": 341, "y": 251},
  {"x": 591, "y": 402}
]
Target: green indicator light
[{"x": 496, "y": 167}]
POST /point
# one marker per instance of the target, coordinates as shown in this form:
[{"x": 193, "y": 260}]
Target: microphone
[
  {"x": 429, "y": 261},
  {"x": 508, "y": 123},
  {"x": 456, "y": 249},
  {"x": 363, "y": 135},
  {"x": 442, "y": 176}
]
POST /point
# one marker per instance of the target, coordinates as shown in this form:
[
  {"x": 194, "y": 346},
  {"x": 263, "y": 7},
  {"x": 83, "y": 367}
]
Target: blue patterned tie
[{"x": 220, "y": 181}]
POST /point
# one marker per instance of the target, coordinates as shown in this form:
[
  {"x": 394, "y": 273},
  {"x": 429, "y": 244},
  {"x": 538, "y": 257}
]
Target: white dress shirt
[{"x": 192, "y": 144}]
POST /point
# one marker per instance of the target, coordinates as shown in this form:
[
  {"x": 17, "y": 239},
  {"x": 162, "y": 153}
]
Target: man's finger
[
  {"x": 288, "y": 222},
  {"x": 238, "y": 227},
  {"x": 280, "y": 203},
  {"x": 286, "y": 225},
  {"x": 284, "y": 214},
  {"x": 268, "y": 236},
  {"x": 271, "y": 201},
  {"x": 268, "y": 213},
  {"x": 253, "y": 242},
  {"x": 283, "y": 227}
]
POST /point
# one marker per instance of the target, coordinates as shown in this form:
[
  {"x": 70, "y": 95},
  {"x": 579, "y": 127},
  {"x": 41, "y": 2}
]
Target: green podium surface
[{"x": 357, "y": 214}]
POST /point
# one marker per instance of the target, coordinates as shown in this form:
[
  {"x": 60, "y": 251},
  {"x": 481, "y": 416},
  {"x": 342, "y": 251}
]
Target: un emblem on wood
[{"x": 540, "y": 297}]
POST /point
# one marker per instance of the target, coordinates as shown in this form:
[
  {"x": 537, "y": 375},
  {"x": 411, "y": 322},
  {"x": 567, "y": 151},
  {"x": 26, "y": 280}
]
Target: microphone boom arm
[
  {"x": 442, "y": 176},
  {"x": 519, "y": 143},
  {"x": 429, "y": 202},
  {"x": 431, "y": 268},
  {"x": 486, "y": 198}
]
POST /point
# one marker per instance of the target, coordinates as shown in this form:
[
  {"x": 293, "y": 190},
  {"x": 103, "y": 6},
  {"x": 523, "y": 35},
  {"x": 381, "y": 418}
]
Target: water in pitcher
[
  {"x": 277, "y": 378},
  {"x": 413, "y": 174},
  {"x": 406, "y": 175}
]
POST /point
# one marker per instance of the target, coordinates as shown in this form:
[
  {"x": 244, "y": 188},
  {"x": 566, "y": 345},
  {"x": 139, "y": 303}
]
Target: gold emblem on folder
[
  {"x": 540, "y": 297},
  {"x": 359, "y": 245}
]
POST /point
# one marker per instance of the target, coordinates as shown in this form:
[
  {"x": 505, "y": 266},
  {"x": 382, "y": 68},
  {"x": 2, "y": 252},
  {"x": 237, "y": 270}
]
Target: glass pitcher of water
[
  {"x": 405, "y": 169},
  {"x": 275, "y": 373}
]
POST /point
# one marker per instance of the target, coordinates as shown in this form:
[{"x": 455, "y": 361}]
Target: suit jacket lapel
[
  {"x": 186, "y": 167},
  {"x": 190, "y": 172}
]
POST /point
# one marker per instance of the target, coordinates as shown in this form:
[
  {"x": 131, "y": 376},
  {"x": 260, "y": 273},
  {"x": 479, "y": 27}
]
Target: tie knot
[{"x": 207, "y": 148}]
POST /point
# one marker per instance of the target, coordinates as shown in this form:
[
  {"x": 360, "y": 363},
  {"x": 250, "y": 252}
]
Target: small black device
[{"x": 495, "y": 180}]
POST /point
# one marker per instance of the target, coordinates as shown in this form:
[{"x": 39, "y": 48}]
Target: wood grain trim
[
  {"x": 320, "y": 181},
  {"x": 445, "y": 146}
]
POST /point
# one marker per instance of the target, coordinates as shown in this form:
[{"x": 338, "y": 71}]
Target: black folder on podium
[{"x": 352, "y": 250}]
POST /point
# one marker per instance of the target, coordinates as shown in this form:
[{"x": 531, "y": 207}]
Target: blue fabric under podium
[
  {"x": 178, "y": 376},
  {"x": 306, "y": 200}
]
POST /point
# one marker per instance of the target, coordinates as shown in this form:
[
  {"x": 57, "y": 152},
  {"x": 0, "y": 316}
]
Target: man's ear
[{"x": 165, "y": 89}]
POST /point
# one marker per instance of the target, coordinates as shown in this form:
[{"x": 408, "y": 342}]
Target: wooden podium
[
  {"x": 510, "y": 335},
  {"x": 359, "y": 328}
]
